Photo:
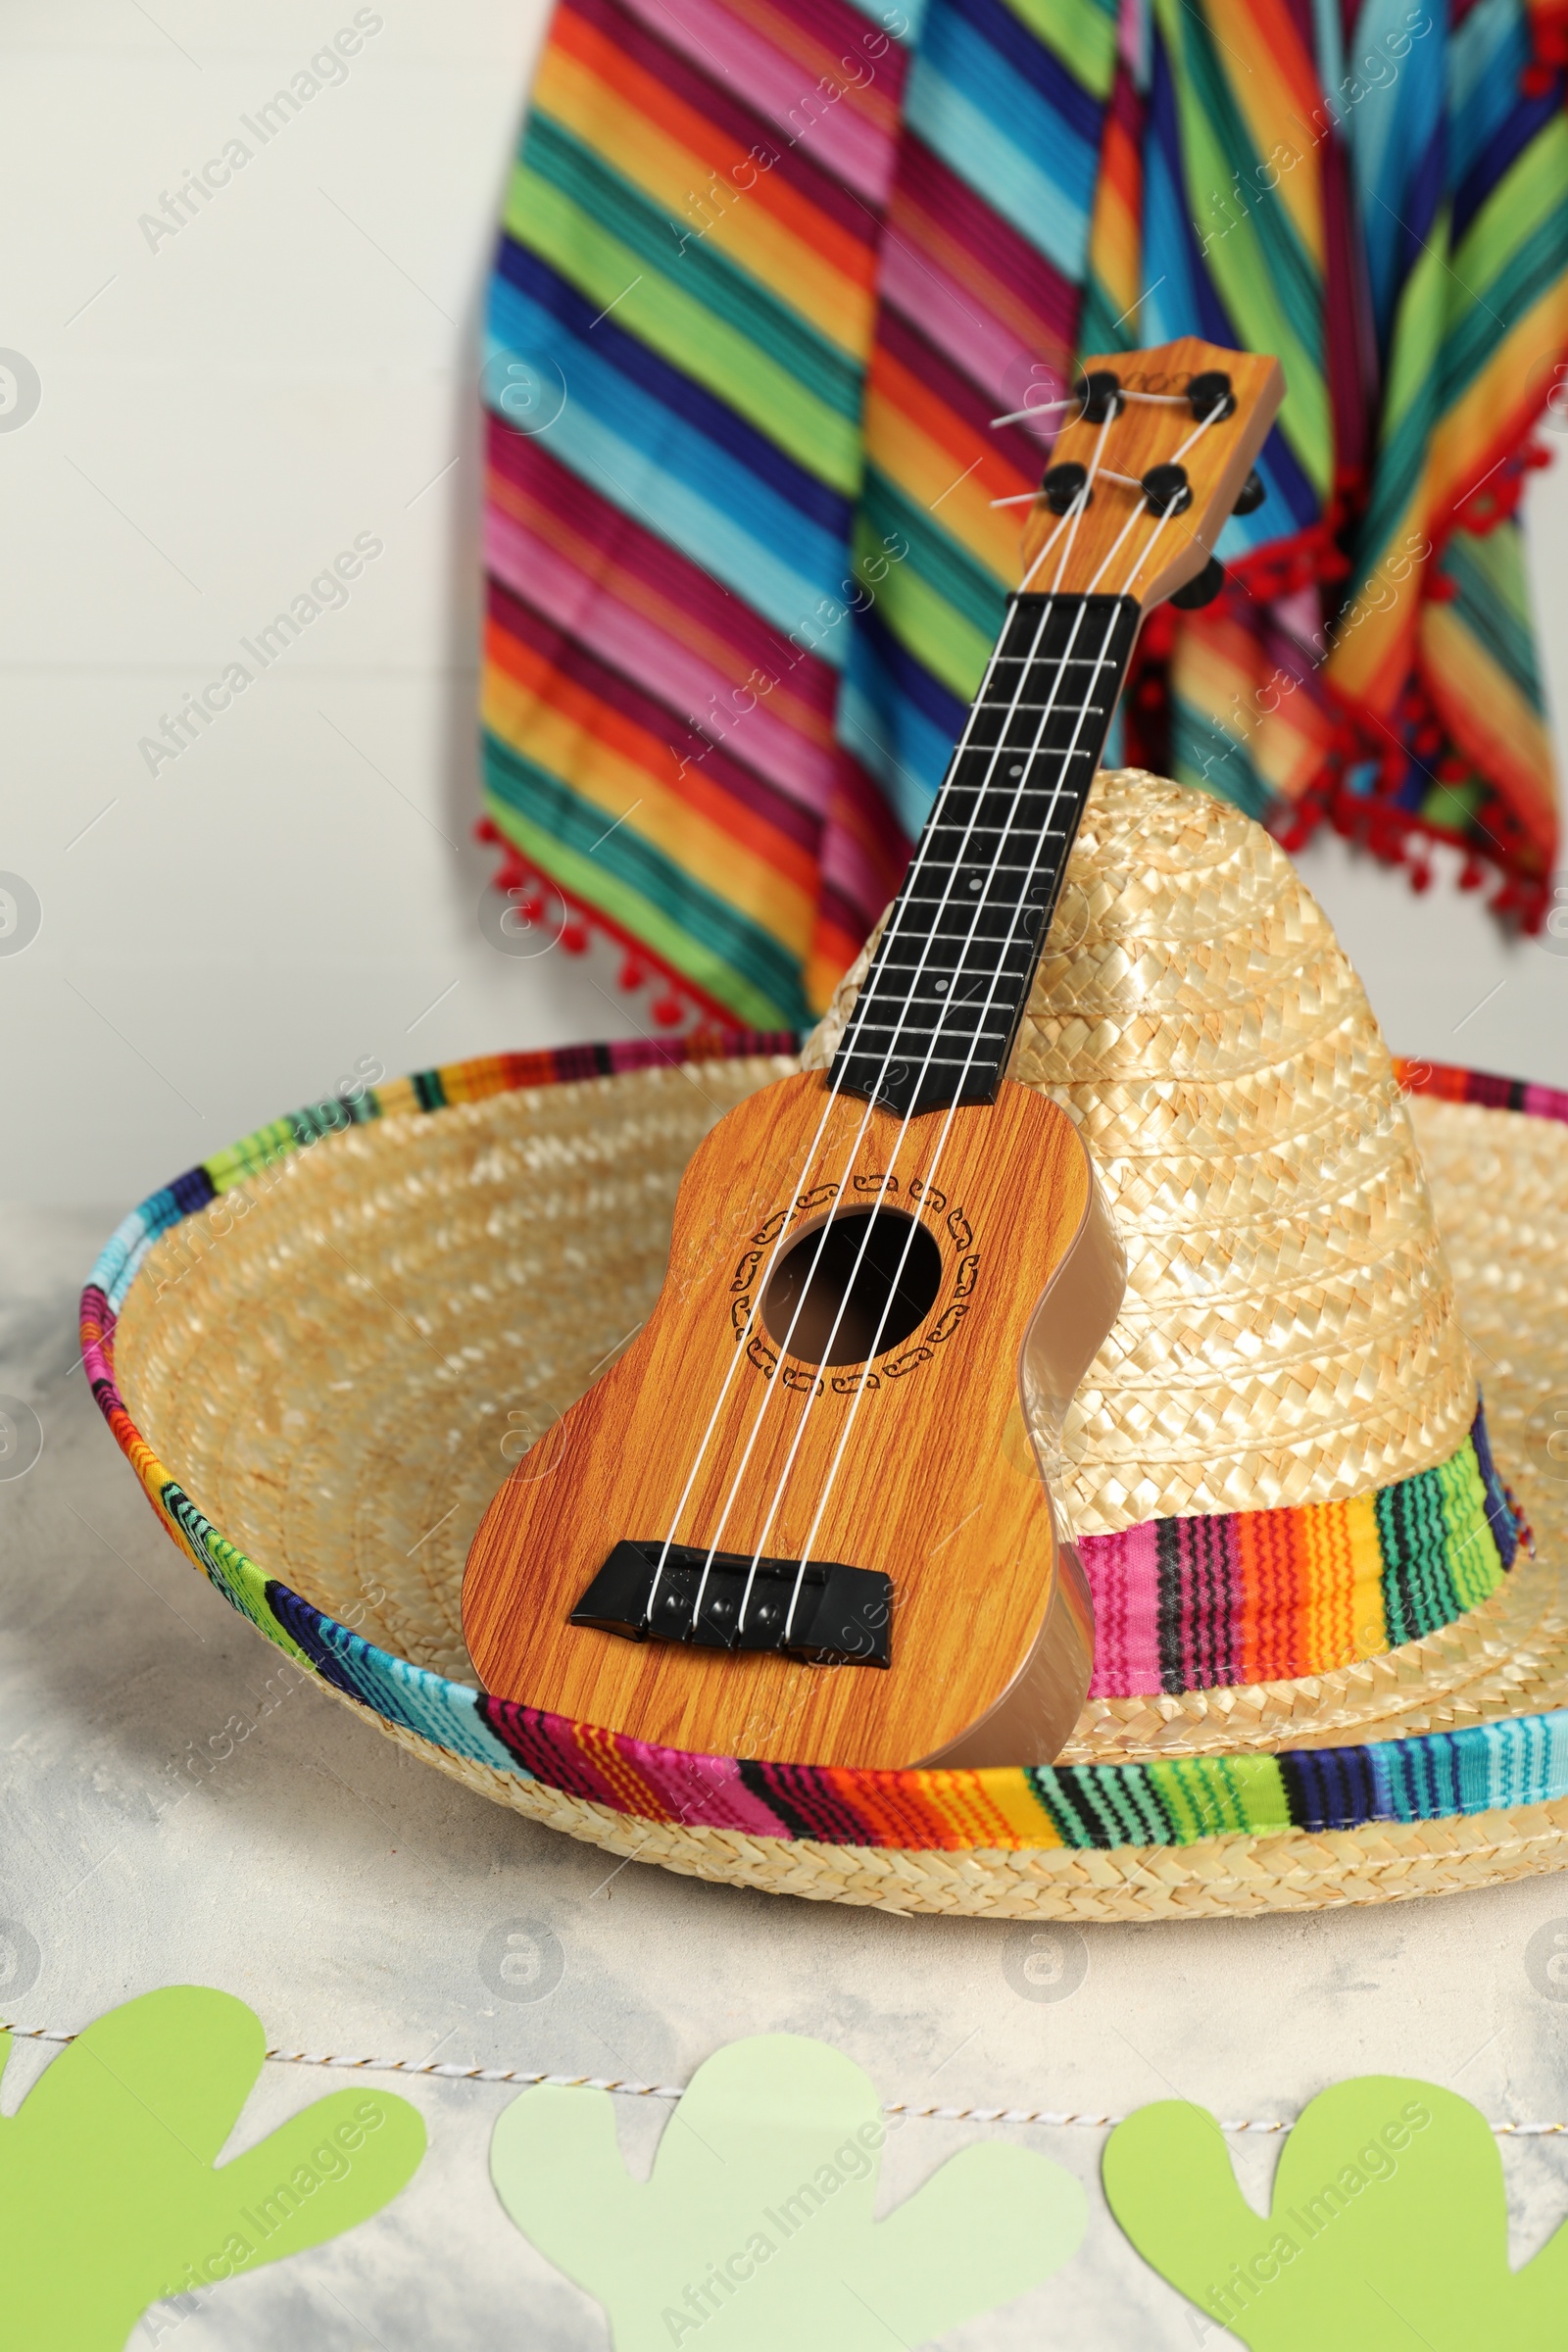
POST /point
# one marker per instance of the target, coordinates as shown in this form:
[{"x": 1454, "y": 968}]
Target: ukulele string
[
  {"x": 1023, "y": 769},
  {"x": 1068, "y": 523},
  {"x": 1057, "y": 791},
  {"x": 1193, "y": 438},
  {"x": 911, "y": 986},
  {"x": 1081, "y": 499},
  {"x": 1074, "y": 513},
  {"x": 742, "y": 1340},
  {"x": 878, "y": 971},
  {"x": 1071, "y": 523},
  {"x": 1101, "y": 661},
  {"x": 892, "y": 1048},
  {"x": 780, "y": 1240},
  {"x": 947, "y": 902}
]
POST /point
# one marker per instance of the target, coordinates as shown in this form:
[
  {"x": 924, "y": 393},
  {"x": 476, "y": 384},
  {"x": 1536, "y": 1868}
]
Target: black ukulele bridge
[{"x": 839, "y": 1617}]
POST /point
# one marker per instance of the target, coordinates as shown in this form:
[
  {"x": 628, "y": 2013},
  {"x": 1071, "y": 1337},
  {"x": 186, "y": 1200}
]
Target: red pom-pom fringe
[{"x": 678, "y": 1001}]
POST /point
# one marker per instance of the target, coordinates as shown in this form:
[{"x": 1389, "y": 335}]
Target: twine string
[{"x": 446, "y": 2070}]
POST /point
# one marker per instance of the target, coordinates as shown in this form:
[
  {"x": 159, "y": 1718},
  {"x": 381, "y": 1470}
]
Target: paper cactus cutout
[
  {"x": 1387, "y": 2226},
  {"x": 756, "y": 2230},
  {"x": 111, "y": 2195}
]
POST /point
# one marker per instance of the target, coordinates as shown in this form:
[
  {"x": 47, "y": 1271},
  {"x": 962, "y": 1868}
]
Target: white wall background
[{"x": 217, "y": 418}]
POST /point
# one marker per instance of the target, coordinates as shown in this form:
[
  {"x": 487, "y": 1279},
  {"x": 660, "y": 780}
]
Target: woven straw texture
[
  {"x": 1288, "y": 1333},
  {"x": 341, "y": 1366},
  {"x": 340, "y": 1358},
  {"x": 1233, "y": 1876}
]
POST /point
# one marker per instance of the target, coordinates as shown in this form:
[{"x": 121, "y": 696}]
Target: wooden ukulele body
[{"x": 923, "y": 1451}]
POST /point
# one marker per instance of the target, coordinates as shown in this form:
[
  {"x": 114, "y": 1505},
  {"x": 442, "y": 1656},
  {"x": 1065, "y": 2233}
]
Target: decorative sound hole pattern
[{"x": 820, "y": 1275}]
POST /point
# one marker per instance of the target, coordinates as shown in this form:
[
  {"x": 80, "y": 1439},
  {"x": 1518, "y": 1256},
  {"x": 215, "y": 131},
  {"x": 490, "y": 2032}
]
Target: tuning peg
[
  {"x": 1167, "y": 490},
  {"x": 1210, "y": 397},
  {"x": 1061, "y": 486},
  {"x": 1251, "y": 496},
  {"x": 1100, "y": 396},
  {"x": 1202, "y": 588}
]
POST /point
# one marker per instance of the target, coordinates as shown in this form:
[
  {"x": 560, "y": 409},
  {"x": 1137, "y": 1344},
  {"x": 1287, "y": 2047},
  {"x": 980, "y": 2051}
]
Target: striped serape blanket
[{"x": 768, "y": 268}]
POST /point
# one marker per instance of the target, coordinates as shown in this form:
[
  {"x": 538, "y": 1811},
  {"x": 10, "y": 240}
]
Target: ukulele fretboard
[{"x": 935, "y": 1020}]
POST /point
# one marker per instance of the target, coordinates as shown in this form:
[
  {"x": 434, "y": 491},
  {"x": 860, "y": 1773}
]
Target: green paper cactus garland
[
  {"x": 755, "y": 2231},
  {"x": 1388, "y": 2225},
  {"x": 109, "y": 2187}
]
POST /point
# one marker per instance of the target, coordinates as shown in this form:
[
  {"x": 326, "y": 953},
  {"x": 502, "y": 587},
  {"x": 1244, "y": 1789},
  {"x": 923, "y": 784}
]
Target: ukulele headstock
[{"x": 1142, "y": 530}]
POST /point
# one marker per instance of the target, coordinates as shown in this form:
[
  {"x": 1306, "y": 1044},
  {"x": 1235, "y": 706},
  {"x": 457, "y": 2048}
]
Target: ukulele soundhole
[{"x": 854, "y": 1288}]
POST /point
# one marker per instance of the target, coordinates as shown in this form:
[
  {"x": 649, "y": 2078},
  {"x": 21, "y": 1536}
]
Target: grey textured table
[{"x": 347, "y": 1893}]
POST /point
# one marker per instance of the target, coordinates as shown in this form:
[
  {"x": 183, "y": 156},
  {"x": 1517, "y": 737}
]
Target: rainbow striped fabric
[
  {"x": 1380, "y": 194},
  {"x": 1516, "y": 1761},
  {"x": 767, "y": 270},
  {"x": 1214, "y": 1602}
]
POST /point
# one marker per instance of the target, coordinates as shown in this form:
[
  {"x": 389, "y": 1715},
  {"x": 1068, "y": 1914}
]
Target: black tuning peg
[
  {"x": 1061, "y": 486},
  {"x": 1210, "y": 398},
  {"x": 1250, "y": 495},
  {"x": 1167, "y": 490},
  {"x": 1100, "y": 395},
  {"x": 1202, "y": 588}
]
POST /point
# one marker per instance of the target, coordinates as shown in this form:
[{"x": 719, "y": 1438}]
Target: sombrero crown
[{"x": 1277, "y": 1469}]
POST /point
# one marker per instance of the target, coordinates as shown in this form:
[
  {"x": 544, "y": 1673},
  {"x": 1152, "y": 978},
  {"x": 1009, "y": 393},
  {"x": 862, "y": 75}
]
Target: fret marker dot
[
  {"x": 942, "y": 988},
  {"x": 974, "y": 883},
  {"x": 1015, "y": 771}
]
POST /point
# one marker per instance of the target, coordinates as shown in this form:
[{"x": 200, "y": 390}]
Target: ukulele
[{"x": 803, "y": 1517}]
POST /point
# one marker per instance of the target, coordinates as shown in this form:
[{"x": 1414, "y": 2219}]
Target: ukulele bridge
[{"x": 843, "y": 1616}]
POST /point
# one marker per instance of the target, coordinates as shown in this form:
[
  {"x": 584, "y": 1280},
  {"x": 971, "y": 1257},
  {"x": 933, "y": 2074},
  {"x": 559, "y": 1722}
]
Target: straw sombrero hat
[{"x": 1329, "y": 1651}]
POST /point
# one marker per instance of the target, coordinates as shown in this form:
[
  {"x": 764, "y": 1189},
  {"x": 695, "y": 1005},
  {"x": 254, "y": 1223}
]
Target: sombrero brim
[{"x": 320, "y": 1350}]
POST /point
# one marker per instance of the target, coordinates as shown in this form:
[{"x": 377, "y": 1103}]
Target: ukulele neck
[{"x": 935, "y": 1020}]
